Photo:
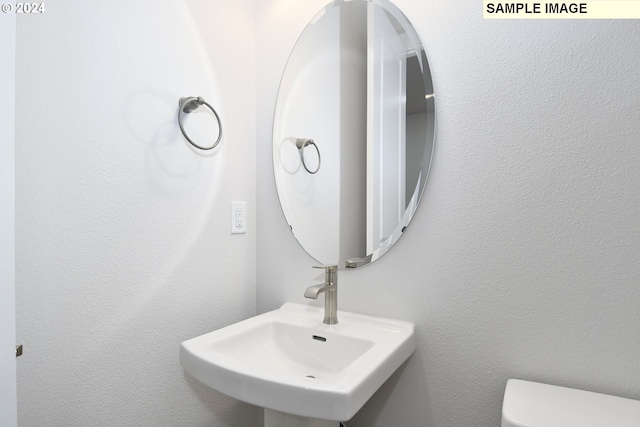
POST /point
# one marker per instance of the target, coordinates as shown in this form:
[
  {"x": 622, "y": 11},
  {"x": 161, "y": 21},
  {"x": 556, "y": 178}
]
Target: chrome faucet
[{"x": 330, "y": 289}]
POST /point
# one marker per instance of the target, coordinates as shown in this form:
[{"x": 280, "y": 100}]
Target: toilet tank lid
[{"x": 530, "y": 404}]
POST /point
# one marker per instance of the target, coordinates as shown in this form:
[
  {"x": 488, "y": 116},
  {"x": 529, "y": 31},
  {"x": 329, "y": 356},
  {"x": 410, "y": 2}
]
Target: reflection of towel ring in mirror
[
  {"x": 301, "y": 143},
  {"x": 189, "y": 104}
]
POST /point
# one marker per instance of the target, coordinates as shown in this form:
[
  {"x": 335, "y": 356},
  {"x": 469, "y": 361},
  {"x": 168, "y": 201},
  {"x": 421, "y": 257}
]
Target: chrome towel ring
[
  {"x": 189, "y": 104},
  {"x": 301, "y": 143}
]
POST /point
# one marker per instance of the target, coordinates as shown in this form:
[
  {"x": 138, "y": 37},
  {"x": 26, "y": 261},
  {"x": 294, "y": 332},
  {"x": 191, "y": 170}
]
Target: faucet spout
[
  {"x": 312, "y": 292},
  {"x": 330, "y": 289}
]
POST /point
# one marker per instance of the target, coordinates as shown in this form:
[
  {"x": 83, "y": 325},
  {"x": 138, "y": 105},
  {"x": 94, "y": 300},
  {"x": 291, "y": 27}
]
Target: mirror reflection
[{"x": 353, "y": 132}]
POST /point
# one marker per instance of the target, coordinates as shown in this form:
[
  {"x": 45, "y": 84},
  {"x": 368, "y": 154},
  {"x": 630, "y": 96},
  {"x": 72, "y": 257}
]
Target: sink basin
[{"x": 287, "y": 360}]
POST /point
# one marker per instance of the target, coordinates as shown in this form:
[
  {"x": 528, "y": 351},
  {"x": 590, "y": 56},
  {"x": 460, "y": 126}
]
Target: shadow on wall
[
  {"x": 411, "y": 377},
  {"x": 227, "y": 410}
]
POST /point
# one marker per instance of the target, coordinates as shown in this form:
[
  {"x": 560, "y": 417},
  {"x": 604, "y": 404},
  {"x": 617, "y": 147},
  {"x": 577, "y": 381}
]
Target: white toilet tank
[{"x": 529, "y": 404}]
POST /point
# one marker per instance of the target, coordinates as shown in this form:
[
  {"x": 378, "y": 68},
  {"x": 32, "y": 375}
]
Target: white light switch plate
[{"x": 238, "y": 217}]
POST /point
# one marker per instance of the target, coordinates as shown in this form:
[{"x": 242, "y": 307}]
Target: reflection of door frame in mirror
[{"x": 319, "y": 208}]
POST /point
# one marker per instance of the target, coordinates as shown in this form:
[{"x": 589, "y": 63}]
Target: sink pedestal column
[{"x": 279, "y": 419}]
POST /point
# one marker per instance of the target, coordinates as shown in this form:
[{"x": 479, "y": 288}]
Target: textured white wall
[
  {"x": 8, "y": 415},
  {"x": 123, "y": 243},
  {"x": 522, "y": 260}
]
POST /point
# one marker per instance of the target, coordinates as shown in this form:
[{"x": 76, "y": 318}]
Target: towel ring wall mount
[{"x": 189, "y": 104}]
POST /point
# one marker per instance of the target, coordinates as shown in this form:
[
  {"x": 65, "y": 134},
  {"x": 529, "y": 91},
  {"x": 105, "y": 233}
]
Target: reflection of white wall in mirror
[
  {"x": 308, "y": 112},
  {"x": 353, "y": 131},
  {"x": 417, "y": 125},
  {"x": 386, "y": 129}
]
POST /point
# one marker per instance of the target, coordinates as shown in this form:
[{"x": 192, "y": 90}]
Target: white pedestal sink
[{"x": 303, "y": 372}]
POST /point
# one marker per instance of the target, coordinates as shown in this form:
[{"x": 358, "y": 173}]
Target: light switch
[{"x": 238, "y": 217}]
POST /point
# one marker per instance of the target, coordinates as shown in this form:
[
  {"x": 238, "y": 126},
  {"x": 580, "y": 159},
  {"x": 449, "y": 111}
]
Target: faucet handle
[{"x": 327, "y": 267}]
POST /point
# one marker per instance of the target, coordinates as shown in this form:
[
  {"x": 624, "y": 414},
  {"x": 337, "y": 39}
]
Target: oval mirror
[{"x": 353, "y": 132}]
